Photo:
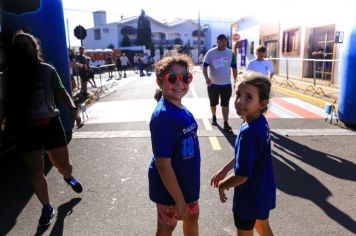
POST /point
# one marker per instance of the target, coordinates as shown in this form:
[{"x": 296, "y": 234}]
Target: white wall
[
  {"x": 216, "y": 28},
  {"x": 185, "y": 30},
  {"x": 107, "y": 38},
  {"x": 252, "y": 34}
]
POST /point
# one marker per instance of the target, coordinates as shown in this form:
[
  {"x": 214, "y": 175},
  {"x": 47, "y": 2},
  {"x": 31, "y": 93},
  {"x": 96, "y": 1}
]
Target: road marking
[
  {"x": 315, "y": 132},
  {"x": 207, "y": 124},
  {"x": 215, "y": 143},
  {"x": 305, "y": 105},
  {"x": 295, "y": 108},
  {"x": 213, "y": 140},
  {"x": 212, "y": 133},
  {"x": 103, "y": 112},
  {"x": 282, "y": 112}
]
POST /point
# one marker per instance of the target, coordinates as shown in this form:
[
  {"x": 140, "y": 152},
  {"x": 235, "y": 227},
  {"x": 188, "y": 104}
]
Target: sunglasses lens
[
  {"x": 186, "y": 78},
  {"x": 172, "y": 78}
]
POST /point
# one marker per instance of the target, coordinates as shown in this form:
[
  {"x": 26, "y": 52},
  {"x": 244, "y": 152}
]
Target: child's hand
[
  {"x": 222, "y": 195},
  {"x": 217, "y": 178},
  {"x": 181, "y": 210}
]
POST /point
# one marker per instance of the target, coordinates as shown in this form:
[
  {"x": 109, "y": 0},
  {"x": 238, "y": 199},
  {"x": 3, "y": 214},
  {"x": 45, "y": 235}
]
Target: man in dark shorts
[
  {"x": 83, "y": 71},
  {"x": 219, "y": 60}
]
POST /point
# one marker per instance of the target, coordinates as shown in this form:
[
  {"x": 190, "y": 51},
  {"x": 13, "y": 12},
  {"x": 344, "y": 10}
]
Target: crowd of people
[
  {"x": 85, "y": 67},
  {"x": 174, "y": 170}
]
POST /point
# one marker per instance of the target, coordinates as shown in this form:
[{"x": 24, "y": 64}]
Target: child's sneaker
[
  {"x": 46, "y": 216},
  {"x": 74, "y": 184}
]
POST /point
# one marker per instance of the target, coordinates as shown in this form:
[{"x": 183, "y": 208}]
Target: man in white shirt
[
  {"x": 261, "y": 65},
  {"x": 124, "y": 63},
  {"x": 220, "y": 61}
]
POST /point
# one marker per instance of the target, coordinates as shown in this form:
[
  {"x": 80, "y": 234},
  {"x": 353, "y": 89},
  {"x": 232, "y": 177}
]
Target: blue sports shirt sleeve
[
  {"x": 162, "y": 136},
  {"x": 245, "y": 155}
]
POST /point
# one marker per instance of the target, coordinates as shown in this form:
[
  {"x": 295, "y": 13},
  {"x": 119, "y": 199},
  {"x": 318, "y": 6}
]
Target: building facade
[
  {"x": 104, "y": 35},
  {"x": 165, "y": 35},
  {"x": 313, "y": 48}
]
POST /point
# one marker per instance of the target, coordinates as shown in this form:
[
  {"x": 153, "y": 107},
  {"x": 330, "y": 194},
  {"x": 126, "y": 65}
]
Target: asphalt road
[{"x": 315, "y": 174}]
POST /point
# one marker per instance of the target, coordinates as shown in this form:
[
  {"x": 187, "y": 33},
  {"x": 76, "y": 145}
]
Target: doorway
[
  {"x": 321, "y": 47},
  {"x": 272, "y": 53}
]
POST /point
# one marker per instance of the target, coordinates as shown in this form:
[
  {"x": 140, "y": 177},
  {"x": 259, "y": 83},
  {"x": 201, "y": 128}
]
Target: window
[
  {"x": 97, "y": 35},
  {"x": 291, "y": 41}
]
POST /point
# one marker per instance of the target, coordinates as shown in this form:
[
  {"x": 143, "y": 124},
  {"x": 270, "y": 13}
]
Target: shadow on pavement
[
  {"x": 327, "y": 163},
  {"x": 62, "y": 212},
  {"x": 293, "y": 180},
  {"x": 16, "y": 189},
  {"x": 230, "y": 137}
]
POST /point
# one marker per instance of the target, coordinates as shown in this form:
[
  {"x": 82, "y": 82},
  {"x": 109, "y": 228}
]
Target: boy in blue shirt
[{"x": 253, "y": 178}]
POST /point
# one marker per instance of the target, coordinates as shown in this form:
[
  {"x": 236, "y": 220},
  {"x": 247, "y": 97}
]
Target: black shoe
[
  {"x": 227, "y": 127},
  {"x": 213, "y": 122},
  {"x": 46, "y": 216},
  {"x": 74, "y": 184}
]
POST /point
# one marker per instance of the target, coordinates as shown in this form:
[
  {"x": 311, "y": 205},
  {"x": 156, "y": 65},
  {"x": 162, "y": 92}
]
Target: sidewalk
[
  {"x": 103, "y": 86},
  {"x": 317, "y": 95}
]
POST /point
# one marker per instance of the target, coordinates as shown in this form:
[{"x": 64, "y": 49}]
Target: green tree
[
  {"x": 126, "y": 41},
  {"x": 144, "y": 36}
]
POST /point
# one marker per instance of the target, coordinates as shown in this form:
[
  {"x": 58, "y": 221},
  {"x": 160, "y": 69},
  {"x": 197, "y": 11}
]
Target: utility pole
[
  {"x": 199, "y": 33},
  {"x": 68, "y": 33}
]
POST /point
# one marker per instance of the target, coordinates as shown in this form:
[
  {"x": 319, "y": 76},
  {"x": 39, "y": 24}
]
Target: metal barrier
[
  {"x": 315, "y": 72},
  {"x": 110, "y": 68}
]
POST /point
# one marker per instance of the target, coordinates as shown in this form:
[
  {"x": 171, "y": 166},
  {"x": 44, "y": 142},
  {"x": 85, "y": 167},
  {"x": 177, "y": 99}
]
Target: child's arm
[
  {"x": 221, "y": 174},
  {"x": 170, "y": 182},
  {"x": 229, "y": 182}
]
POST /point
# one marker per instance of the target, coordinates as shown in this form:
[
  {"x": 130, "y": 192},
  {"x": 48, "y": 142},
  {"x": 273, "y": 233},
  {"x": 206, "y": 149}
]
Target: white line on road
[
  {"x": 213, "y": 140},
  {"x": 213, "y": 133}
]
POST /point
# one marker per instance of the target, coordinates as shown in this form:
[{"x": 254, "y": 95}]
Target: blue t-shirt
[
  {"x": 257, "y": 196},
  {"x": 174, "y": 135}
]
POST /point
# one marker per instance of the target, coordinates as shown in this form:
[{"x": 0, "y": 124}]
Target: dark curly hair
[
  {"x": 34, "y": 40},
  {"x": 261, "y": 82},
  {"x": 20, "y": 77},
  {"x": 165, "y": 64}
]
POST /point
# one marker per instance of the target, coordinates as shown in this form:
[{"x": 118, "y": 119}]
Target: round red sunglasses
[{"x": 172, "y": 78}]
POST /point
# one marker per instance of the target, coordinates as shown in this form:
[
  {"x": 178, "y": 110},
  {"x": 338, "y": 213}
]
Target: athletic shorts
[
  {"x": 222, "y": 91},
  {"x": 37, "y": 137},
  {"x": 245, "y": 224},
  {"x": 167, "y": 214}
]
